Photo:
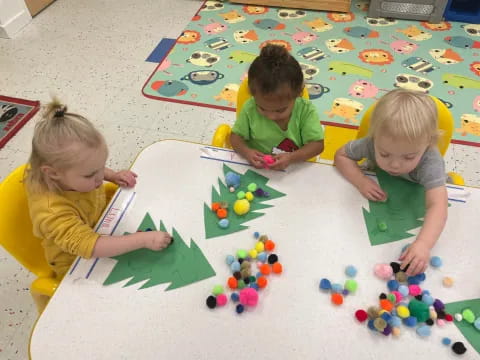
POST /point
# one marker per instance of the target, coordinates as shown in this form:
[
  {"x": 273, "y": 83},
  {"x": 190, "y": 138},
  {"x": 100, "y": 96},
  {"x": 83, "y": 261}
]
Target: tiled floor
[{"x": 91, "y": 54}]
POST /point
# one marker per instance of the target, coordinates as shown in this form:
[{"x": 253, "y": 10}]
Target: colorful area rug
[
  {"x": 14, "y": 113},
  {"x": 349, "y": 60}
]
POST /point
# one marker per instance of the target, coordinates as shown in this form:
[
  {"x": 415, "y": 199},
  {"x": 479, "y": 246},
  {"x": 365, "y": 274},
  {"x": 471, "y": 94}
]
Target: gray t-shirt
[{"x": 430, "y": 171}]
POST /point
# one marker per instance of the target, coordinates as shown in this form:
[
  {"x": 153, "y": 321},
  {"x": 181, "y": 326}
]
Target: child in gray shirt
[{"x": 402, "y": 140}]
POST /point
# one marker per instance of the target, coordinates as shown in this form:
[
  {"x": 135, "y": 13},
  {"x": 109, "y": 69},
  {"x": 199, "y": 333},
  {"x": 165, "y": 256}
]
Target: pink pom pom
[
  {"x": 221, "y": 299},
  {"x": 440, "y": 322},
  {"x": 414, "y": 290},
  {"x": 249, "y": 297},
  {"x": 398, "y": 296},
  {"x": 383, "y": 271}
]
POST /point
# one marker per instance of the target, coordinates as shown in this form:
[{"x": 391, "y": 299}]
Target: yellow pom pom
[
  {"x": 249, "y": 196},
  {"x": 259, "y": 247},
  {"x": 253, "y": 253},
  {"x": 403, "y": 312},
  {"x": 241, "y": 207}
]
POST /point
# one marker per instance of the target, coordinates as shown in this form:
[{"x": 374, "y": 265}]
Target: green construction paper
[
  {"x": 400, "y": 213},
  {"x": 236, "y": 222},
  {"x": 468, "y": 330},
  {"x": 178, "y": 264}
]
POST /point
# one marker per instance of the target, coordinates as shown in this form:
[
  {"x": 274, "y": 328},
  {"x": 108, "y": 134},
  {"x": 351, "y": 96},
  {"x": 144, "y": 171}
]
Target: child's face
[
  {"x": 398, "y": 156},
  {"x": 88, "y": 174},
  {"x": 275, "y": 107}
]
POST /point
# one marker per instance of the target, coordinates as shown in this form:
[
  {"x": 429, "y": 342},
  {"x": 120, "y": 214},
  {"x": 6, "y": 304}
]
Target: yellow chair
[
  {"x": 221, "y": 137},
  {"x": 445, "y": 125},
  {"x": 17, "y": 237}
]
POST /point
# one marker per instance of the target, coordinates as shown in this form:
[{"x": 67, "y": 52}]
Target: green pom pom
[
  {"x": 468, "y": 316},
  {"x": 419, "y": 310},
  {"x": 241, "y": 254},
  {"x": 240, "y": 195},
  {"x": 217, "y": 290},
  {"x": 252, "y": 187},
  {"x": 392, "y": 298},
  {"x": 382, "y": 226},
  {"x": 351, "y": 285},
  {"x": 240, "y": 284}
]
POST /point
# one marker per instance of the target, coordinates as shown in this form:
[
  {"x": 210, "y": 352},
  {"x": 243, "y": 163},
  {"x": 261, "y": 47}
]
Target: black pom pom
[
  {"x": 212, "y": 302},
  {"x": 246, "y": 280},
  {"x": 459, "y": 348},
  {"x": 241, "y": 261},
  {"x": 418, "y": 297},
  {"x": 383, "y": 296},
  {"x": 395, "y": 267},
  {"x": 272, "y": 259},
  {"x": 429, "y": 322},
  {"x": 237, "y": 275},
  {"x": 441, "y": 314}
]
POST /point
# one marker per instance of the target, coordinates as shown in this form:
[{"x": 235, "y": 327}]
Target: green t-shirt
[{"x": 265, "y": 135}]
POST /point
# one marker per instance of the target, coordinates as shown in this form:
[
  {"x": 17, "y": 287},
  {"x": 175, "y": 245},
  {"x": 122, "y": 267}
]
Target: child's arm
[
  {"x": 125, "y": 178},
  {"x": 304, "y": 153},
  {"x": 350, "y": 170},
  {"x": 254, "y": 157},
  {"x": 418, "y": 254},
  {"x": 107, "y": 246}
]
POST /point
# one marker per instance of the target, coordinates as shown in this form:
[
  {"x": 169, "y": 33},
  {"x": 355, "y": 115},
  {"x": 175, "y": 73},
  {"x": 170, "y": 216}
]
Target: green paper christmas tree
[
  {"x": 178, "y": 264},
  {"x": 399, "y": 214},
  {"x": 236, "y": 222},
  {"x": 468, "y": 330}
]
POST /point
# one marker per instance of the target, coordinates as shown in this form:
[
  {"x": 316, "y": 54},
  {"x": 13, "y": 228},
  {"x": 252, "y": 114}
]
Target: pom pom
[
  {"x": 262, "y": 282},
  {"x": 429, "y": 322},
  {"x": 222, "y": 213},
  {"x": 477, "y": 323},
  {"x": 398, "y": 296},
  {"x": 211, "y": 302},
  {"x": 325, "y": 284},
  {"x": 272, "y": 259},
  {"x": 361, "y": 315},
  {"x": 217, "y": 289},
  {"x": 414, "y": 290},
  {"x": 268, "y": 160},
  {"x": 458, "y": 348},
  {"x": 395, "y": 267},
  {"x": 239, "y": 308},
  {"x": 277, "y": 268},
  {"x": 458, "y": 317},
  {"x": 241, "y": 207},
  {"x": 232, "y": 179},
  {"x": 379, "y": 324},
  {"x": 403, "y": 289},
  {"x": 256, "y": 234},
  {"x": 252, "y": 187},
  {"x": 229, "y": 259},
  {"x": 337, "y": 288},
  {"x": 468, "y": 316},
  {"x": 419, "y": 310},
  {"x": 427, "y": 299},
  {"x": 447, "y": 281},
  {"x": 446, "y": 341},
  {"x": 386, "y": 305},
  {"x": 410, "y": 321},
  {"x": 253, "y": 254},
  {"x": 221, "y": 299},
  {"x": 262, "y": 257},
  {"x": 351, "y": 285},
  {"x": 249, "y": 297},
  {"x": 448, "y": 317},
  {"x": 237, "y": 274},
  {"x": 401, "y": 276},
  {"x": 424, "y": 330},
  {"x": 232, "y": 283},
  {"x": 435, "y": 261},
  {"x": 350, "y": 271},
  {"x": 383, "y": 271},
  {"x": 269, "y": 245},
  {"x": 259, "y": 247},
  {"x": 215, "y": 206},
  {"x": 403, "y": 312},
  {"x": 438, "y": 305},
  {"x": 265, "y": 269},
  {"x": 395, "y": 321},
  {"x": 393, "y": 285},
  {"x": 337, "y": 299},
  {"x": 224, "y": 223},
  {"x": 440, "y": 322},
  {"x": 249, "y": 196},
  {"x": 240, "y": 284},
  {"x": 234, "y": 297},
  {"x": 241, "y": 254}
]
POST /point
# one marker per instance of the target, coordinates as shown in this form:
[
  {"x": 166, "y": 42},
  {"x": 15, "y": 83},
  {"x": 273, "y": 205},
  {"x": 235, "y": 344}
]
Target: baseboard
[{"x": 15, "y": 24}]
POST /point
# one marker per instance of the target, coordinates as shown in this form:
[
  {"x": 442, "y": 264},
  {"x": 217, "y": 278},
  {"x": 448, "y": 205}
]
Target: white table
[{"x": 318, "y": 228}]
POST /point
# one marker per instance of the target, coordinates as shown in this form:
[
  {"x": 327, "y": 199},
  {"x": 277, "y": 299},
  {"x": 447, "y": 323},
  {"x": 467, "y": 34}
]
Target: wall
[{"x": 14, "y": 15}]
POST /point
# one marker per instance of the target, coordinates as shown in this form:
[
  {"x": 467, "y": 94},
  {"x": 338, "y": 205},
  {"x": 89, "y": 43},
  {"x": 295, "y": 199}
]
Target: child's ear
[{"x": 50, "y": 171}]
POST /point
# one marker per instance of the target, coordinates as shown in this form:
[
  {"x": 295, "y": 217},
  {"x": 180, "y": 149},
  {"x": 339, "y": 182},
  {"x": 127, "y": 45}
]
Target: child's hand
[
  {"x": 255, "y": 158},
  {"x": 125, "y": 178},
  {"x": 417, "y": 256},
  {"x": 281, "y": 161},
  {"x": 157, "y": 240},
  {"x": 371, "y": 190}
]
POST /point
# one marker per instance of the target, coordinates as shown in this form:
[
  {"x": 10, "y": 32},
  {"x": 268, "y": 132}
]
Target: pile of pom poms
[
  {"x": 338, "y": 291},
  {"x": 244, "y": 283},
  {"x": 241, "y": 205},
  {"x": 408, "y": 304}
]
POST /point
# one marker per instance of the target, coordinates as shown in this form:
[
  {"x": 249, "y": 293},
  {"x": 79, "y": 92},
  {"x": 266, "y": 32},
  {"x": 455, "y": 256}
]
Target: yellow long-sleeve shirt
[{"x": 65, "y": 224}]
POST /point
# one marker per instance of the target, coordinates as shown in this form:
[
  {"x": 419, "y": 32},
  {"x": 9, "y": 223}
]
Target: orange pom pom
[
  {"x": 215, "y": 206},
  {"x": 222, "y": 213},
  {"x": 337, "y": 299},
  {"x": 232, "y": 283},
  {"x": 269, "y": 245},
  {"x": 277, "y": 268},
  {"x": 386, "y": 305},
  {"x": 262, "y": 282},
  {"x": 265, "y": 269}
]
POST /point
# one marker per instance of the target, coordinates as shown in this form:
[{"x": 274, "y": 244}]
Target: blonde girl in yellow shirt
[{"x": 65, "y": 191}]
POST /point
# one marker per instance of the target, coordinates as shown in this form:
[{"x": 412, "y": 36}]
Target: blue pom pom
[
  {"x": 403, "y": 289},
  {"x": 235, "y": 297},
  {"x": 254, "y": 285},
  {"x": 337, "y": 288},
  {"x": 258, "y": 274},
  {"x": 413, "y": 280},
  {"x": 235, "y": 266},
  {"x": 421, "y": 276},
  {"x": 232, "y": 179},
  {"x": 427, "y": 299},
  {"x": 446, "y": 341},
  {"x": 386, "y": 316},
  {"x": 424, "y": 330},
  {"x": 230, "y": 259},
  {"x": 436, "y": 261},
  {"x": 370, "y": 325},
  {"x": 425, "y": 292},
  {"x": 256, "y": 234},
  {"x": 262, "y": 257},
  {"x": 351, "y": 271},
  {"x": 392, "y": 285},
  {"x": 325, "y": 284},
  {"x": 223, "y": 223},
  {"x": 239, "y": 309},
  {"x": 410, "y": 321},
  {"x": 395, "y": 321}
]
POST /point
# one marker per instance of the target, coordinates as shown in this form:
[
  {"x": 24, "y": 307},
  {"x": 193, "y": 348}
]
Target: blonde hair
[
  {"x": 406, "y": 114},
  {"x": 55, "y": 143}
]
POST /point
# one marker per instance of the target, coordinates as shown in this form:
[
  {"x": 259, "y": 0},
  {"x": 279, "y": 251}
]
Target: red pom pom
[
  {"x": 361, "y": 315},
  {"x": 448, "y": 317}
]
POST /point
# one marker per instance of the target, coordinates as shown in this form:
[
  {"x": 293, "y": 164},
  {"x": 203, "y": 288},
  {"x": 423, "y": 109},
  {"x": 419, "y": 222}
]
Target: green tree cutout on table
[
  {"x": 178, "y": 264},
  {"x": 400, "y": 213},
  {"x": 468, "y": 330},
  {"x": 210, "y": 218}
]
